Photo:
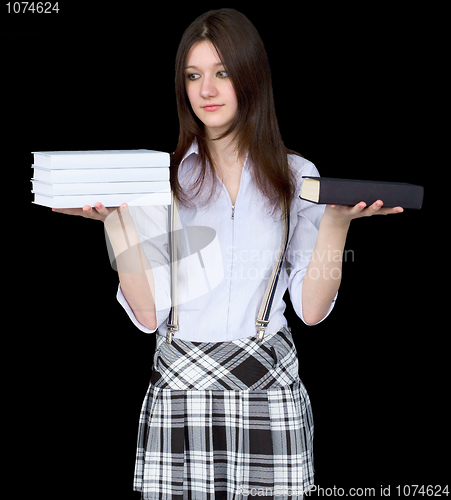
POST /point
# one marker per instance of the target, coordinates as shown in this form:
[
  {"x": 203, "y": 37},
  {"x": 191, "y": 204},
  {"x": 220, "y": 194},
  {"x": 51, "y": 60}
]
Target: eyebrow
[{"x": 195, "y": 67}]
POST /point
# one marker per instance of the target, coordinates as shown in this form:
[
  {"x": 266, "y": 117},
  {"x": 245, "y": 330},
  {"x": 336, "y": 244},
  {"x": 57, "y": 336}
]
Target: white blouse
[{"x": 225, "y": 257}]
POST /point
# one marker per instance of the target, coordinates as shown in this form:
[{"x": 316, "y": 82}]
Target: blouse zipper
[{"x": 231, "y": 267}]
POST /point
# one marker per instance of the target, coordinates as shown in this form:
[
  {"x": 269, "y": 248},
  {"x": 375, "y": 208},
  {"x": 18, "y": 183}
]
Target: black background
[{"x": 348, "y": 98}]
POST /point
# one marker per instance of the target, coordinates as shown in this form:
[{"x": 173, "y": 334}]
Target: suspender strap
[
  {"x": 265, "y": 308},
  {"x": 172, "y": 321}
]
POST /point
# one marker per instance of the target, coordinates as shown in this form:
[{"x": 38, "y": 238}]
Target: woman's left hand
[{"x": 343, "y": 215}]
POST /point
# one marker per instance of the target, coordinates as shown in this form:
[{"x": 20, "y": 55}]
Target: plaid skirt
[{"x": 225, "y": 420}]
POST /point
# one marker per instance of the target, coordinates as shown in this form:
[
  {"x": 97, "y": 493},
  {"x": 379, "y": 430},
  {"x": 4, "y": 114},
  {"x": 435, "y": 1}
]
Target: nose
[{"x": 208, "y": 88}]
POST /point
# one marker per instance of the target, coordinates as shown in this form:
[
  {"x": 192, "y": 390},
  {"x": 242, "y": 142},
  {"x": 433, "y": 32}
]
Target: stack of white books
[{"x": 72, "y": 179}]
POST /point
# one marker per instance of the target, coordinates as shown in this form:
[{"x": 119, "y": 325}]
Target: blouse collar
[{"x": 194, "y": 149}]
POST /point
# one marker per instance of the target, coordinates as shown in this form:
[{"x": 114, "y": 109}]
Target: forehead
[{"x": 203, "y": 55}]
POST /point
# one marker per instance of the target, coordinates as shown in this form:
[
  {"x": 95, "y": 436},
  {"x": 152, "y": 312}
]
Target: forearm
[
  {"x": 134, "y": 270},
  {"x": 139, "y": 292},
  {"x": 323, "y": 276}
]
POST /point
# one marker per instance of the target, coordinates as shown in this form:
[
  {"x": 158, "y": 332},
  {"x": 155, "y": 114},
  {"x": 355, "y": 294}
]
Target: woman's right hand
[{"x": 98, "y": 212}]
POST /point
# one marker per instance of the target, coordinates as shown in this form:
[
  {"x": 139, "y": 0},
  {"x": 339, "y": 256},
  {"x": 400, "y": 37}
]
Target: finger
[
  {"x": 91, "y": 213},
  {"x": 357, "y": 209},
  {"x": 68, "y": 211},
  {"x": 375, "y": 207},
  {"x": 87, "y": 210},
  {"x": 125, "y": 214},
  {"x": 102, "y": 210},
  {"x": 99, "y": 207},
  {"x": 389, "y": 211}
]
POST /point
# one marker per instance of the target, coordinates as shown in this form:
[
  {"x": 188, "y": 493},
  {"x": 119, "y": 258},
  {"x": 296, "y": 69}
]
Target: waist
[
  {"x": 239, "y": 364},
  {"x": 208, "y": 331}
]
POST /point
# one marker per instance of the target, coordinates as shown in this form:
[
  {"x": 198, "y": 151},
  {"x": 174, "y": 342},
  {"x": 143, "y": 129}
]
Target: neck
[{"x": 225, "y": 151}]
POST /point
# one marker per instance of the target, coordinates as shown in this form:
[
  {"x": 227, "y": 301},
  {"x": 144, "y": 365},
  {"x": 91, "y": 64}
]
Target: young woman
[{"x": 226, "y": 414}]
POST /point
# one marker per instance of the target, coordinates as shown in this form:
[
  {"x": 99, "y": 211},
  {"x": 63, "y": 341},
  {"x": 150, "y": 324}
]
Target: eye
[
  {"x": 222, "y": 74},
  {"x": 193, "y": 76}
]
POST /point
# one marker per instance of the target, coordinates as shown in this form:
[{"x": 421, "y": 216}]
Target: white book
[
  {"x": 99, "y": 187},
  {"x": 101, "y": 159},
  {"x": 108, "y": 200},
  {"x": 100, "y": 174}
]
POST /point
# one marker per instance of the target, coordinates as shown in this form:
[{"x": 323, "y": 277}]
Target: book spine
[{"x": 347, "y": 192}]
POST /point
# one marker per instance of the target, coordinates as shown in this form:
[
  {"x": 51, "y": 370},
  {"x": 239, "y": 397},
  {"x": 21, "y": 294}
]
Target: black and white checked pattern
[{"x": 221, "y": 418}]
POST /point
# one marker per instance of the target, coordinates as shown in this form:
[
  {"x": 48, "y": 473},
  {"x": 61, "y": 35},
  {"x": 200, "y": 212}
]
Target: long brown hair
[{"x": 243, "y": 55}]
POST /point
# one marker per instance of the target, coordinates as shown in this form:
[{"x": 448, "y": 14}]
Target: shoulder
[
  {"x": 150, "y": 220},
  {"x": 301, "y": 166}
]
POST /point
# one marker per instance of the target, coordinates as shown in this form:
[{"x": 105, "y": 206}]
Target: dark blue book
[{"x": 331, "y": 191}]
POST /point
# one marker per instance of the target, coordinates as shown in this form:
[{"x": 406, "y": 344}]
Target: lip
[{"x": 212, "y": 107}]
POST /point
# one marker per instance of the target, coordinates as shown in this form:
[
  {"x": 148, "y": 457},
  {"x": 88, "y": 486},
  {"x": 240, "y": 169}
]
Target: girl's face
[{"x": 209, "y": 89}]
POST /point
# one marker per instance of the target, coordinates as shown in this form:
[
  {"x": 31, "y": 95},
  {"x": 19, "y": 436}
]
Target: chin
[
  {"x": 216, "y": 123},
  {"x": 217, "y": 127}
]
